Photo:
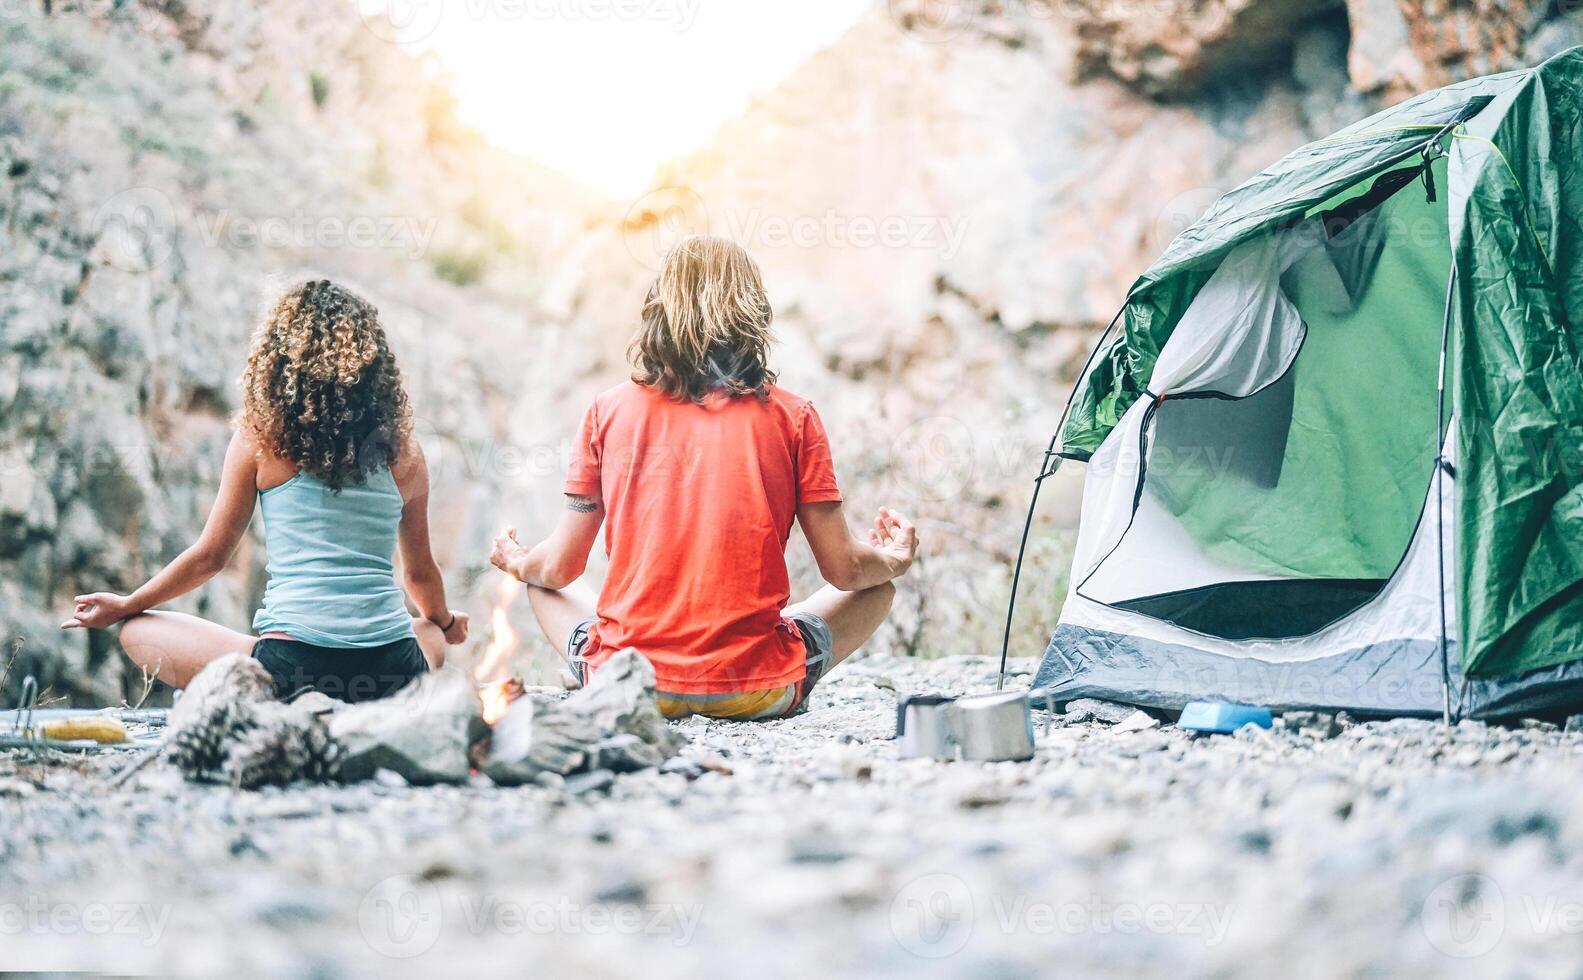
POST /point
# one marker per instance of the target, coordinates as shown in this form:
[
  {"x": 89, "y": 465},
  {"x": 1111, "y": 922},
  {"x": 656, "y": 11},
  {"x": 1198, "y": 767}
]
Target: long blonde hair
[
  {"x": 706, "y": 324},
  {"x": 322, "y": 388}
]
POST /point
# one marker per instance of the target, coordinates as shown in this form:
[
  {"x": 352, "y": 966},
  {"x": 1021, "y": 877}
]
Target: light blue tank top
[{"x": 332, "y": 580}]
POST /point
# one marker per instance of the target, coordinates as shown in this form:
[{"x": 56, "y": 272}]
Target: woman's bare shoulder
[
  {"x": 411, "y": 468},
  {"x": 269, "y": 470}
]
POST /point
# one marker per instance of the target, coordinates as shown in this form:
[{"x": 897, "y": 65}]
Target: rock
[
  {"x": 423, "y": 733},
  {"x": 1500, "y": 755},
  {"x": 624, "y": 752},
  {"x": 1143, "y": 743},
  {"x": 1314, "y": 724},
  {"x": 1400, "y": 48},
  {"x": 1557, "y": 35},
  {"x": 1197, "y": 42},
  {"x": 620, "y": 698},
  {"x": 535, "y": 737},
  {"x": 614, "y": 723},
  {"x": 589, "y": 782},
  {"x": 980, "y": 797},
  {"x": 390, "y": 779},
  {"x": 1136, "y": 722},
  {"x": 16, "y": 788},
  {"x": 1108, "y": 712},
  {"x": 816, "y": 847},
  {"x": 683, "y": 766}
]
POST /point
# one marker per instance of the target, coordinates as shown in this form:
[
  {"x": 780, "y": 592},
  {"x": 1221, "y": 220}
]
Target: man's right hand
[
  {"x": 508, "y": 553},
  {"x": 895, "y": 538}
]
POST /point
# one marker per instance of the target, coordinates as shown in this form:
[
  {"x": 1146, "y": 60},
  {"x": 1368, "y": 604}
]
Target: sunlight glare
[{"x": 605, "y": 90}]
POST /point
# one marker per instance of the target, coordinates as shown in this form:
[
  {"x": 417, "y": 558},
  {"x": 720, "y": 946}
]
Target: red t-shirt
[{"x": 699, "y": 502}]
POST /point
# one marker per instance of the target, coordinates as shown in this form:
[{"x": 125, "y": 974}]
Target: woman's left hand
[
  {"x": 98, "y": 610},
  {"x": 457, "y": 634}
]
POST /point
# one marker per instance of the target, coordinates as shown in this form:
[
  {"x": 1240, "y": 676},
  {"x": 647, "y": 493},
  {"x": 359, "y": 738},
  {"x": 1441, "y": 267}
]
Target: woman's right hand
[{"x": 99, "y": 610}]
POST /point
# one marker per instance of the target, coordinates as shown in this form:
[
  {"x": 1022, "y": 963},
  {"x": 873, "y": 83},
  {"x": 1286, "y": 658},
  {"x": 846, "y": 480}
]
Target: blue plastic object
[{"x": 1222, "y": 719}]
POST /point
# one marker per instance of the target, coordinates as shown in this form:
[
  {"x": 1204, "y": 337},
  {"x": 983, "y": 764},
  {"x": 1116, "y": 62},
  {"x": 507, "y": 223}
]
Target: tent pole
[
  {"x": 1051, "y": 463},
  {"x": 1440, "y": 478},
  {"x": 1047, "y": 468}
]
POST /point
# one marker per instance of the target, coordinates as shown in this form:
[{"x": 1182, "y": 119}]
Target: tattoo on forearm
[{"x": 581, "y": 504}]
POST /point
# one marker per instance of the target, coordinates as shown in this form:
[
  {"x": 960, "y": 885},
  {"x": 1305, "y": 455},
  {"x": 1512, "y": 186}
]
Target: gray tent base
[{"x": 1395, "y": 678}]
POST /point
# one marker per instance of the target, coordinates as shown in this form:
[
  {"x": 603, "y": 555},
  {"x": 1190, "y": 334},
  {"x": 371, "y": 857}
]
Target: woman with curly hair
[{"x": 324, "y": 448}]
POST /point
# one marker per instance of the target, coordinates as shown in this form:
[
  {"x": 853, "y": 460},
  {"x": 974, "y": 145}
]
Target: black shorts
[{"x": 351, "y": 675}]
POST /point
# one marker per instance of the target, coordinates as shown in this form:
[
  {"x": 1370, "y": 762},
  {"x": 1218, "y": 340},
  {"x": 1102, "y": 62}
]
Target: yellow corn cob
[{"x": 106, "y": 731}]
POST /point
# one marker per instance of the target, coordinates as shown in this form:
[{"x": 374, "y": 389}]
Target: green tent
[{"x": 1335, "y": 436}]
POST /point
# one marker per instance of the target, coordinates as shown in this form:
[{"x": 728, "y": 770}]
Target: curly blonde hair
[
  {"x": 706, "y": 324},
  {"x": 322, "y": 389}
]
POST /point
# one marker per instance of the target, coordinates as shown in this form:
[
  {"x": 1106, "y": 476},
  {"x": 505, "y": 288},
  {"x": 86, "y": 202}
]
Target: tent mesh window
[{"x": 1281, "y": 508}]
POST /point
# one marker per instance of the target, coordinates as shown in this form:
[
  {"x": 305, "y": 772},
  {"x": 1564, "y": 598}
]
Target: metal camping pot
[
  {"x": 923, "y": 729},
  {"x": 994, "y": 727},
  {"x": 979, "y": 728}
]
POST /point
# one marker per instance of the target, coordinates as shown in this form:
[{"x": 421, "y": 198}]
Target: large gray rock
[
  {"x": 612, "y": 724},
  {"x": 1196, "y": 43},
  {"x": 1400, "y": 47},
  {"x": 535, "y": 737},
  {"x": 424, "y": 733},
  {"x": 620, "y": 699}
]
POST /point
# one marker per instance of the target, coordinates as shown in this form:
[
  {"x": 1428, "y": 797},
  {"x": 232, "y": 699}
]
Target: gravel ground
[{"x": 1389, "y": 849}]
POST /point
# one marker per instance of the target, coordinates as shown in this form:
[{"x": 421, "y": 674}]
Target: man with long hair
[{"x": 697, "y": 468}]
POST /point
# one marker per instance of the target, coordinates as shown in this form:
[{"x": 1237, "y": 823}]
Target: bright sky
[{"x": 605, "y": 90}]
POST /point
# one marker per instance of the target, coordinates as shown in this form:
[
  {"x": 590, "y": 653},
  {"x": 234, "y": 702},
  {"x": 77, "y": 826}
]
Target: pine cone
[
  {"x": 200, "y": 747},
  {"x": 280, "y": 747}
]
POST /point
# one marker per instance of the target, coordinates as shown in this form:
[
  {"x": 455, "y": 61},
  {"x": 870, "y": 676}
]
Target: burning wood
[
  {"x": 497, "y": 697},
  {"x": 613, "y": 724},
  {"x": 227, "y": 727}
]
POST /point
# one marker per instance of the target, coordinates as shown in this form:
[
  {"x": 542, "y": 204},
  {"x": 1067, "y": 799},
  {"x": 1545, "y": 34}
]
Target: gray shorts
[{"x": 817, "y": 640}]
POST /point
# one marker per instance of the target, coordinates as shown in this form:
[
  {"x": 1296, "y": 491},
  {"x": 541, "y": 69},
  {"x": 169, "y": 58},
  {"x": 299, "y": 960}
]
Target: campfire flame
[{"x": 497, "y": 687}]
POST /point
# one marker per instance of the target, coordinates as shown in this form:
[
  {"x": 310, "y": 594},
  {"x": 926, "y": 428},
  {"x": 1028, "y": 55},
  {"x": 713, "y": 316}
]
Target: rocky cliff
[
  {"x": 163, "y": 174},
  {"x": 948, "y": 203}
]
